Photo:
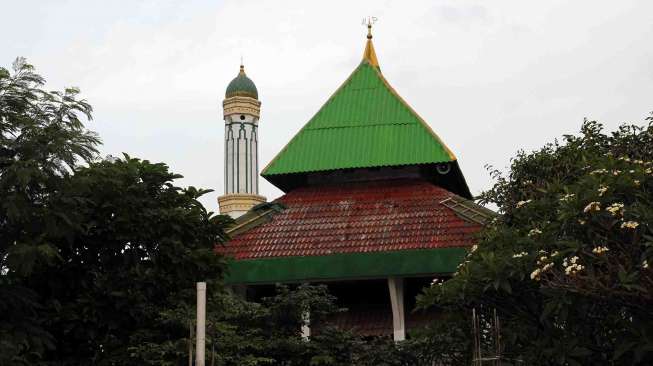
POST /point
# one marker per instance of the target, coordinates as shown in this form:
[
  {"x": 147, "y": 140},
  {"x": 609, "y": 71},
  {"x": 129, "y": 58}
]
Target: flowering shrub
[{"x": 567, "y": 263}]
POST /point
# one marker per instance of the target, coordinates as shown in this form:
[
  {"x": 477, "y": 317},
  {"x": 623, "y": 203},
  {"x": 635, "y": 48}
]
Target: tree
[
  {"x": 42, "y": 139},
  {"x": 269, "y": 333},
  {"x": 567, "y": 263},
  {"x": 133, "y": 249},
  {"x": 93, "y": 253}
]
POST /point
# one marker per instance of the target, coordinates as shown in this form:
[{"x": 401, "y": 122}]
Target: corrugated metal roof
[{"x": 365, "y": 123}]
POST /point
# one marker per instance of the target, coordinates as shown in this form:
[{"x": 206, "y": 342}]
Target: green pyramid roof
[{"x": 364, "y": 124}]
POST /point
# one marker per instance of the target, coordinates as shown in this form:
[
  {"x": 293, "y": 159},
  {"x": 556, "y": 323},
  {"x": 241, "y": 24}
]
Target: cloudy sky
[{"x": 490, "y": 77}]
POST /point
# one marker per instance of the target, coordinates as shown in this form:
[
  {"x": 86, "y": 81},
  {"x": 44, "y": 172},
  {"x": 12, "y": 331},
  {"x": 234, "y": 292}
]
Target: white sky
[{"x": 490, "y": 77}]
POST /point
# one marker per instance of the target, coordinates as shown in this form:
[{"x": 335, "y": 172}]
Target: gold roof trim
[{"x": 370, "y": 55}]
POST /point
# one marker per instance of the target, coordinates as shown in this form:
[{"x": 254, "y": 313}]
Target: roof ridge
[{"x": 411, "y": 110}]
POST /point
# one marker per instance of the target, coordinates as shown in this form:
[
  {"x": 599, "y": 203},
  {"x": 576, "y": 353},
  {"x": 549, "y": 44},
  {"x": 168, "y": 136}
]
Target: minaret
[{"x": 241, "y": 114}]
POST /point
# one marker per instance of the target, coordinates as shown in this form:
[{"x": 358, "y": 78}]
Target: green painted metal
[
  {"x": 364, "y": 124},
  {"x": 345, "y": 266},
  {"x": 241, "y": 85}
]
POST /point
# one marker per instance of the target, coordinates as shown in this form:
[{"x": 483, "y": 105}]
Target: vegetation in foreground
[
  {"x": 98, "y": 258},
  {"x": 567, "y": 265}
]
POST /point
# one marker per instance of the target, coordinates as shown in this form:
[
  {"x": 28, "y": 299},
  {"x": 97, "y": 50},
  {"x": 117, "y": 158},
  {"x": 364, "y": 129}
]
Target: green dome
[{"x": 241, "y": 86}]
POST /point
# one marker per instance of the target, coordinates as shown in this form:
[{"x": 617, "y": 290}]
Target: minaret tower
[{"x": 241, "y": 114}]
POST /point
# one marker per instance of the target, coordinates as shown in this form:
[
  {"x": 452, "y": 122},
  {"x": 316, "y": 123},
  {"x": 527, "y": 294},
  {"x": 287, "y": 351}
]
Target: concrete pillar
[
  {"x": 201, "y": 324},
  {"x": 396, "y": 287},
  {"x": 306, "y": 327}
]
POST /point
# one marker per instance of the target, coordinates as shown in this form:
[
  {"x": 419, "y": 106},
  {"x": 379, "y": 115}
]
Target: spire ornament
[
  {"x": 369, "y": 55},
  {"x": 369, "y": 22}
]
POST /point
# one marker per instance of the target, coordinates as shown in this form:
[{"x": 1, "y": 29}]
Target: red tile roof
[{"x": 389, "y": 215}]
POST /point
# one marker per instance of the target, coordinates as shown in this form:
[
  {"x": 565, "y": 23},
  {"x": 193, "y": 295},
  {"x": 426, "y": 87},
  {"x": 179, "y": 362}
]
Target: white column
[
  {"x": 396, "y": 287},
  {"x": 201, "y": 323},
  {"x": 306, "y": 327}
]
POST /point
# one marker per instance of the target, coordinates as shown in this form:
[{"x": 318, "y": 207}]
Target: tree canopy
[
  {"x": 567, "y": 264},
  {"x": 92, "y": 251}
]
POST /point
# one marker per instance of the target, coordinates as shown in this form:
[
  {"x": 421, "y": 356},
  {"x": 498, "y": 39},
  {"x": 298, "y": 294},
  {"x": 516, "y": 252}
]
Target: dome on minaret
[{"x": 241, "y": 86}]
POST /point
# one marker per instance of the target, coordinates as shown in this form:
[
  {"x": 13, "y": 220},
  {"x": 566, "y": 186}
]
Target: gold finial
[
  {"x": 369, "y": 55},
  {"x": 242, "y": 65},
  {"x": 369, "y": 21}
]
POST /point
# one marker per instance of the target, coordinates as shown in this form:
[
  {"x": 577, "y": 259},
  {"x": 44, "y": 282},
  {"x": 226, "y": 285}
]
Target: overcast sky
[{"x": 490, "y": 77}]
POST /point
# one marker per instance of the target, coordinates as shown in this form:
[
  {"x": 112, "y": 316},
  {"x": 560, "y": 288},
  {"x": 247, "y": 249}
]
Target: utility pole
[{"x": 201, "y": 324}]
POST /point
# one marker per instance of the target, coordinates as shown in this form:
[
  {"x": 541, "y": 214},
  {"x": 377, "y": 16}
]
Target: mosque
[{"x": 374, "y": 206}]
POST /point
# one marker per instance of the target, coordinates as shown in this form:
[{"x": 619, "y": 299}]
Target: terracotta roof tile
[{"x": 356, "y": 218}]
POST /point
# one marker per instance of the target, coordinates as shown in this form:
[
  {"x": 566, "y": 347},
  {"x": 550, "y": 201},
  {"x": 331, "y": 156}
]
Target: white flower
[
  {"x": 592, "y": 206},
  {"x": 630, "y": 225},
  {"x": 616, "y": 209},
  {"x": 567, "y": 197},
  {"x": 522, "y": 203},
  {"x": 645, "y": 264},
  {"x": 535, "y": 275},
  {"x": 598, "y": 171},
  {"x": 600, "y": 250},
  {"x": 648, "y": 171},
  {"x": 616, "y": 172},
  {"x": 602, "y": 190},
  {"x": 534, "y": 232},
  {"x": 624, "y": 158},
  {"x": 636, "y": 181},
  {"x": 437, "y": 281},
  {"x": 519, "y": 255},
  {"x": 542, "y": 259},
  {"x": 581, "y": 221},
  {"x": 571, "y": 266},
  {"x": 555, "y": 254},
  {"x": 573, "y": 269},
  {"x": 474, "y": 247},
  {"x": 631, "y": 171}
]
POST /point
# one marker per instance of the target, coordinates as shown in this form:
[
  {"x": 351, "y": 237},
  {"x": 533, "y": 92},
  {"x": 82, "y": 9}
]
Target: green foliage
[
  {"x": 91, "y": 257},
  {"x": 567, "y": 265},
  {"x": 268, "y": 333},
  {"x": 135, "y": 247},
  {"x": 42, "y": 139}
]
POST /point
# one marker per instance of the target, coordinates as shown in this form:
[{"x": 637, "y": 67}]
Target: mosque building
[{"x": 374, "y": 206}]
